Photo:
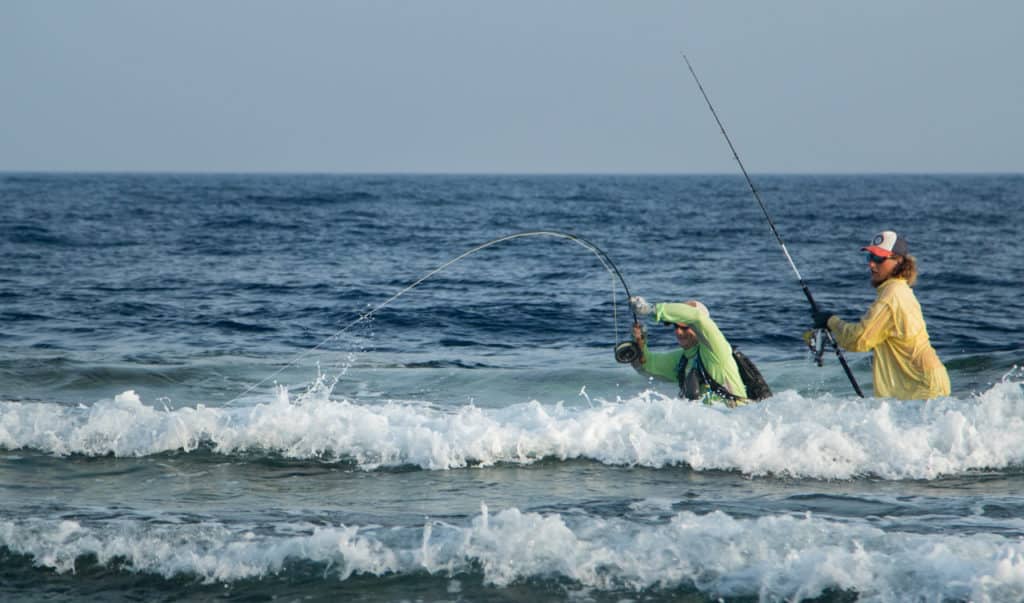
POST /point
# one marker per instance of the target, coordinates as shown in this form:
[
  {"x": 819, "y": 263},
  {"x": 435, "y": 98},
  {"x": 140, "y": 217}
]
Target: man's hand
[
  {"x": 638, "y": 333},
  {"x": 640, "y": 305},
  {"x": 638, "y": 338},
  {"x": 820, "y": 318}
]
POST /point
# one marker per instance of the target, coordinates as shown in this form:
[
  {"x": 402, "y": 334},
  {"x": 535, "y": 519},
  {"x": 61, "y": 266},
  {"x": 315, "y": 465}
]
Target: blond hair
[{"x": 906, "y": 270}]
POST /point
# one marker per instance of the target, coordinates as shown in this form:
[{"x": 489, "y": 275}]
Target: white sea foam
[
  {"x": 772, "y": 558},
  {"x": 822, "y": 438}
]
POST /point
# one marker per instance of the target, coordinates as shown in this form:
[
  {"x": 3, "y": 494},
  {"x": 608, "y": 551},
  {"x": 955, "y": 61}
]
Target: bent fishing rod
[
  {"x": 625, "y": 351},
  {"x": 764, "y": 210}
]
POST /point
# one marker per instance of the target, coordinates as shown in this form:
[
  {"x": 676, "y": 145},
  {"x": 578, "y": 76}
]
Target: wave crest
[
  {"x": 777, "y": 557},
  {"x": 828, "y": 438}
]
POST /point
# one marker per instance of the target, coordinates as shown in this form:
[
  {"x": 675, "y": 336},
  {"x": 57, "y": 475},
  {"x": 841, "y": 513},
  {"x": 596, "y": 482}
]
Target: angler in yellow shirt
[{"x": 905, "y": 366}]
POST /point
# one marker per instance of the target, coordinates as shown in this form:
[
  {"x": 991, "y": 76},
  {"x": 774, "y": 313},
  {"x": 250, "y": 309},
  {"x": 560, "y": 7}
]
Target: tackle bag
[
  {"x": 757, "y": 388},
  {"x": 753, "y": 380}
]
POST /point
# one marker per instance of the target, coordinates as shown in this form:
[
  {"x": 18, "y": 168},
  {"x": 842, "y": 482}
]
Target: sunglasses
[{"x": 877, "y": 258}]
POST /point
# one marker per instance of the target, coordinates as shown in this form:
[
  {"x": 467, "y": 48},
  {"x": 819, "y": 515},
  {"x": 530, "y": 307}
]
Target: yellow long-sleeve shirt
[{"x": 905, "y": 365}]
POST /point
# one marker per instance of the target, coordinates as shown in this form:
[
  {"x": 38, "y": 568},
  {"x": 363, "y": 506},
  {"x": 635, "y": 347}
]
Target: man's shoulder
[{"x": 895, "y": 289}]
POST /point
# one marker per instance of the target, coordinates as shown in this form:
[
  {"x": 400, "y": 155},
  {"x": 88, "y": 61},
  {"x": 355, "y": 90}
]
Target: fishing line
[
  {"x": 606, "y": 261},
  {"x": 764, "y": 210}
]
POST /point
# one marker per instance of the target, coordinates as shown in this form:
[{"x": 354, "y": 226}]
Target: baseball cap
[{"x": 887, "y": 243}]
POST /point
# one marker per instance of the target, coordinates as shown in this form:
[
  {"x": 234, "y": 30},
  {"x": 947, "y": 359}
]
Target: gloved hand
[
  {"x": 640, "y": 305},
  {"x": 820, "y": 318}
]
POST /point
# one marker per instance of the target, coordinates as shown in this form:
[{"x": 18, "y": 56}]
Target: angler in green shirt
[{"x": 704, "y": 366}]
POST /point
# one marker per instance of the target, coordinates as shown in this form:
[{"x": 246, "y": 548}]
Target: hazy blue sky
[{"x": 523, "y": 86}]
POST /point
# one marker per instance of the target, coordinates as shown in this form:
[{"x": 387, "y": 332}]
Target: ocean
[{"x": 226, "y": 387}]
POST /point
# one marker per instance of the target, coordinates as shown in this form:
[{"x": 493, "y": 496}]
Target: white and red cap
[{"x": 887, "y": 243}]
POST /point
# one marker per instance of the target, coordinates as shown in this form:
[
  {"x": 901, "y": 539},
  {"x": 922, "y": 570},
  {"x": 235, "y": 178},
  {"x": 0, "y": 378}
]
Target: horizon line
[{"x": 489, "y": 173}]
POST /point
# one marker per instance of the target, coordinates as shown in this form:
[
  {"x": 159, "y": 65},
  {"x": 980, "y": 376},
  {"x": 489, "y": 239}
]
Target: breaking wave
[
  {"x": 771, "y": 558},
  {"x": 826, "y": 437}
]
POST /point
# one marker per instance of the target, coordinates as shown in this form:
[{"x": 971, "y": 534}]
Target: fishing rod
[
  {"x": 764, "y": 210},
  {"x": 625, "y": 351}
]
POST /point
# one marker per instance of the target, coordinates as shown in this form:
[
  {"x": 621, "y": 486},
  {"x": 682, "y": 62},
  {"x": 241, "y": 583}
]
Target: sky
[{"x": 530, "y": 86}]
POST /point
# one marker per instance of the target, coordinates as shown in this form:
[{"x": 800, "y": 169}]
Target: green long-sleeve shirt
[{"x": 715, "y": 352}]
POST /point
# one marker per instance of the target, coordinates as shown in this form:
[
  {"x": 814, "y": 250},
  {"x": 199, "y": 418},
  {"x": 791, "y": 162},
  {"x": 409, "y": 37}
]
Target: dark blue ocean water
[{"x": 192, "y": 408}]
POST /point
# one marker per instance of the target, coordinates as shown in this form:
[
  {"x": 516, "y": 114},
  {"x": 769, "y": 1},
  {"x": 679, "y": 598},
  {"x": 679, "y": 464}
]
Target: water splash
[{"x": 822, "y": 437}]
